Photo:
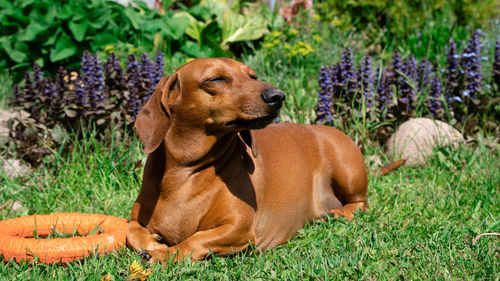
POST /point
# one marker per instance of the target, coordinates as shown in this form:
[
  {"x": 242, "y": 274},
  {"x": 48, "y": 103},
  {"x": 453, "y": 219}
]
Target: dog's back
[{"x": 305, "y": 180}]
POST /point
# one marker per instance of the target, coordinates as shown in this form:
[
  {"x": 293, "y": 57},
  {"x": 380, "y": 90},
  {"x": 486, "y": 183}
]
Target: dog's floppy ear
[
  {"x": 151, "y": 122},
  {"x": 248, "y": 137}
]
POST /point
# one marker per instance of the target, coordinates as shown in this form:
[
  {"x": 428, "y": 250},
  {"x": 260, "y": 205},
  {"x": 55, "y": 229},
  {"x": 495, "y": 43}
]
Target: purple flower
[
  {"x": 93, "y": 81},
  {"x": 397, "y": 68},
  {"x": 349, "y": 76},
  {"x": 423, "y": 72},
  {"x": 113, "y": 73},
  {"x": 436, "y": 104},
  {"x": 325, "y": 95},
  {"x": 496, "y": 65},
  {"x": 81, "y": 98},
  {"x": 384, "y": 93},
  {"x": 148, "y": 75},
  {"x": 471, "y": 65},
  {"x": 37, "y": 76},
  {"x": 159, "y": 66},
  {"x": 133, "y": 102},
  {"x": 366, "y": 76}
]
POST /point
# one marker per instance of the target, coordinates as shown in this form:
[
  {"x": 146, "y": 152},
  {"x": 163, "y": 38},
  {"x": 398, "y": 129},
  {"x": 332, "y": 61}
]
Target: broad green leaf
[
  {"x": 13, "y": 54},
  {"x": 194, "y": 27},
  {"x": 27, "y": 3},
  {"x": 63, "y": 49},
  {"x": 53, "y": 37},
  {"x": 100, "y": 18},
  {"x": 195, "y": 50},
  {"x": 236, "y": 27},
  {"x": 104, "y": 39},
  {"x": 51, "y": 14},
  {"x": 177, "y": 25},
  {"x": 216, "y": 8},
  {"x": 165, "y": 4},
  {"x": 31, "y": 32},
  {"x": 5, "y": 4},
  {"x": 78, "y": 29},
  {"x": 133, "y": 16},
  {"x": 210, "y": 37},
  {"x": 67, "y": 11}
]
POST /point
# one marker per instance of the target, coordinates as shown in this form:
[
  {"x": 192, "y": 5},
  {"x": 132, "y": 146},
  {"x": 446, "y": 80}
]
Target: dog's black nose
[{"x": 273, "y": 97}]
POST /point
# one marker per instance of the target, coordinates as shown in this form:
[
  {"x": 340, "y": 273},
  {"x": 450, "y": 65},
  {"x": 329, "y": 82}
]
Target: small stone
[{"x": 415, "y": 139}]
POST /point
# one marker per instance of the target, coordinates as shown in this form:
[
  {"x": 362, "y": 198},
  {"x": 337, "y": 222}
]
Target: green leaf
[
  {"x": 195, "y": 50},
  {"x": 177, "y": 25},
  {"x": 194, "y": 27},
  {"x": 31, "y": 32},
  {"x": 99, "y": 19},
  {"x": 78, "y": 29},
  {"x": 53, "y": 38},
  {"x": 104, "y": 39},
  {"x": 133, "y": 16},
  {"x": 13, "y": 54},
  {"x": 165, "y": 4},
  {"x": 236, "y": 27},
  {"x": 64, "y": 49}
]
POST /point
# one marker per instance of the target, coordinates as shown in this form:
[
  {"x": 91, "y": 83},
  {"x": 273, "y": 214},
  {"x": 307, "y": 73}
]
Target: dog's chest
[{"x": 177, "y": 216}]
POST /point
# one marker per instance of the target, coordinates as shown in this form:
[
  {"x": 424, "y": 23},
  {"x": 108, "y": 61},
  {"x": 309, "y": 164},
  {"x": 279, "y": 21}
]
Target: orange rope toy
[{"x": 16, "y": 234}]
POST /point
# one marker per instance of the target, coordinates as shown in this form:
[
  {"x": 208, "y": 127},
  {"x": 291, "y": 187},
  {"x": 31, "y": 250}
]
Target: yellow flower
[
  {"x": 109, "y": 49},
  {"x": 267, "y": 45},
  {"x": 317, "y": 38},
  {"x": 106, "y": 277},
  {"x": 336, "y": 22},
  {"x": 137, "y": 272},
  {"x": 292, "y": 32},
  {"x": 190, "y": 59},
  {"x": 276, "y": 34},
  {"x": 287, "y": 46},
  {"x": 316, "y": 17},
  {"x": 301, "y": 48}
]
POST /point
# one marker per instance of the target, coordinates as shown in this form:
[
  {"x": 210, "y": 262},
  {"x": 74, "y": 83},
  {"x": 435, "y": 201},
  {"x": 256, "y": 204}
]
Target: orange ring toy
[{"x": 16, "y": 234}]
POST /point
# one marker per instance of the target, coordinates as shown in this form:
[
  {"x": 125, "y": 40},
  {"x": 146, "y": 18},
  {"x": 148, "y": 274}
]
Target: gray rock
[{"x": 415, "y": 139}]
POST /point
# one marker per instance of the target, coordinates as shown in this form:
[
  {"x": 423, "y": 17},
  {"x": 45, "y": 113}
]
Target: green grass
[{"x": 420, "y": 224}]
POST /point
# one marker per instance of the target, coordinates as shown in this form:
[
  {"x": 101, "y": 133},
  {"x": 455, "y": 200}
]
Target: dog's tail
[{"x": 389, "y": 167}]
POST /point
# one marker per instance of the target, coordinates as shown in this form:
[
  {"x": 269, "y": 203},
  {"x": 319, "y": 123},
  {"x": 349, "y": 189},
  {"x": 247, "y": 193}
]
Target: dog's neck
[{"x": 191, "y": 148}]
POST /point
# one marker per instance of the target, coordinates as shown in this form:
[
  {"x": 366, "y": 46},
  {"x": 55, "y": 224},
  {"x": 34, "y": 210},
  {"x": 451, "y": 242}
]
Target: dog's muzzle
[{"x": 273, "y": 97}]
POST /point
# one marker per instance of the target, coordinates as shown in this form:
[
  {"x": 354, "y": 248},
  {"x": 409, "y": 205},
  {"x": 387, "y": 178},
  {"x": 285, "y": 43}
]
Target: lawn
[
  {"x": 420, "y": 225},
  {"x": 422, "y": 221}
]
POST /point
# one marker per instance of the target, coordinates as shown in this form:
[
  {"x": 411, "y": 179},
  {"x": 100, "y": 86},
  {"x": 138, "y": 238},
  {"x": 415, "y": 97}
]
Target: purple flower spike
[
  {"x": 326, "y": 85},
  {"x": 436, "y": 105},
  {"x": 496, "y": 65},
  {"x": 159, "y": 66},
  {"x": 366, "y": 77},
  {"x": 471, "y": 65}
]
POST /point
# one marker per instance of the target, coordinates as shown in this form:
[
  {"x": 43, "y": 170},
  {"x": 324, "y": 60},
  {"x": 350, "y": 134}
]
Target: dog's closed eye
[{"x": 217, "y": 79}]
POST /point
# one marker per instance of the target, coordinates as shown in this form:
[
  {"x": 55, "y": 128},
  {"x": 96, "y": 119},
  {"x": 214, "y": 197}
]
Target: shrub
[
  {"x": 410, "y": 88},
  {"x": 422, "y": 26},
  {"x": 52, "y": 33}
]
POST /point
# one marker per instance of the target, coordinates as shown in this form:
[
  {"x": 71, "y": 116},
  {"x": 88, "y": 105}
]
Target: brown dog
[{"x": 213, "y": 183}]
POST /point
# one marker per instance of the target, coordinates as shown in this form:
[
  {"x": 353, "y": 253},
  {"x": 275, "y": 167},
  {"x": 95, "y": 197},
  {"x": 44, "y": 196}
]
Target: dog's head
[{"x": 216, "y": 95}]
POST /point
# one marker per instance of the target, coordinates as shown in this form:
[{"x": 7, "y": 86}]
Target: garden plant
[{"x": 82, "y": 70}]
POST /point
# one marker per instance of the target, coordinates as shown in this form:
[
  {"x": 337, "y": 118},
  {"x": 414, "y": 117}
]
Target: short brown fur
[{"x": 213, "y": 183}]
